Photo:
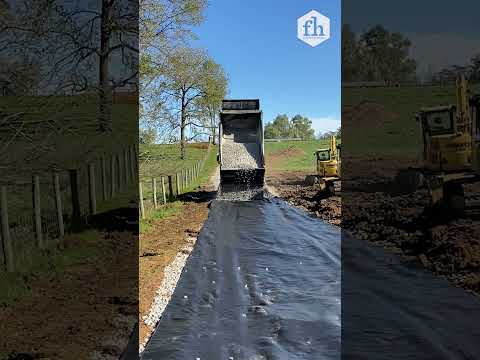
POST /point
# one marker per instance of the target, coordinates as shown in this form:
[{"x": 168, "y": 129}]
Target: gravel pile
[{"x": 237, "y": 155}]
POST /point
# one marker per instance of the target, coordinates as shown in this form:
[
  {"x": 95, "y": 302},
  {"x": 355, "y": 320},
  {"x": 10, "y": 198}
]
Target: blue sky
[{"x": 256, "y": 43}]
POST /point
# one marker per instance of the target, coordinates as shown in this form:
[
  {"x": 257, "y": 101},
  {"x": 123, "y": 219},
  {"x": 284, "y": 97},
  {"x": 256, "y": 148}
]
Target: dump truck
[
  {"x": 451, "y": 152},
  {"x": 328, "y": 168},
  {"x": 241, "y": 149}
]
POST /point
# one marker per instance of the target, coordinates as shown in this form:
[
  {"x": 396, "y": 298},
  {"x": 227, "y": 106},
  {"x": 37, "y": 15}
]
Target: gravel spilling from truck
[{"x": 240, "y": 155}]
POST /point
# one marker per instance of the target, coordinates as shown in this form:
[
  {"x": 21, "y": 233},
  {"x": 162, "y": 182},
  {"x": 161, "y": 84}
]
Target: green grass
[
  {"x": 48, "y": 264},
  {"x": 158, "y": 160},
  {"x": 206, "y": 173},
  {"x": 292, "y": 155},
  {"x": 174, "y": 207},
  {"x": 401, "y": 137},
  {"x": 168, "y": 210},
  {"x": 120, "y": 200},
  {"x": 168, "y": 162}
]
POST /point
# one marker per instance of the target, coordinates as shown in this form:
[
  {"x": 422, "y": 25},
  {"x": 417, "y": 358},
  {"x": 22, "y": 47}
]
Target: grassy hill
[
  {"x": 386, "y": 125},
  {"x": 164, "y": 159},
  {"x": 292, "y": 155}
]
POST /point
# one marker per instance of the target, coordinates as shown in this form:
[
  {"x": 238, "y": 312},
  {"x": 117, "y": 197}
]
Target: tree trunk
[
  {"x": 182, "y": 129},
  {"x": 103, "y": 106},
  {"x": 214, "y": 134}
]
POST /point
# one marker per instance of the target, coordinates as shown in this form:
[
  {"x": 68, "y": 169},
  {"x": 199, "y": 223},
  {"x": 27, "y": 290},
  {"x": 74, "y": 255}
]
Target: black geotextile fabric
[
  {"x": 396, "y": 310},
  {"x": 263, "y": 282}
]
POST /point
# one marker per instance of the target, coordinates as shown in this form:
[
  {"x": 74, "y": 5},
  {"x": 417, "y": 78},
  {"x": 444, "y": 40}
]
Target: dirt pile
[
  {"x": 368, "y": 115},
  {"x": 308, "y": 198},
  {"x": 402, "y": 225},
  {"x": 290, "y": 186}
]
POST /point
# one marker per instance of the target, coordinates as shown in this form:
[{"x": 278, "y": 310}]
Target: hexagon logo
[{"x": 313, "y": 28}]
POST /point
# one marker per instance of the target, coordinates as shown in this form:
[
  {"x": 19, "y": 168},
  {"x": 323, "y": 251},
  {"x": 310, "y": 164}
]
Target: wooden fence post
[
  {"x": 177, "y": 180},
  {"x": 104, "y": 179},
  {"x": 132, "y": 163},
  {"x": 163, "y": 191},
  {"x": 76, "y": 213},
  {"x": 58, "y": 206},
  {"x": 112, "y": 176},
  {"x": 154, "y": 189},
  {"x": 91, "y": 189},
  {"x": 7, "y": 241},
  {"x": 184, "y": 181},
  {"x": 119, "y": 172},
  {"x": 125, "y": 162},
  {"x": 170, "y": 187},
  {"x": 142, "y": 206},
  {"x": 37, "y": 212},
  {"x": 135, "y": 154}
]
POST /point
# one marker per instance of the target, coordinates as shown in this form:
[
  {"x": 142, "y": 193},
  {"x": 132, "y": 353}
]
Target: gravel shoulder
[{"x": 164, "y": 251}]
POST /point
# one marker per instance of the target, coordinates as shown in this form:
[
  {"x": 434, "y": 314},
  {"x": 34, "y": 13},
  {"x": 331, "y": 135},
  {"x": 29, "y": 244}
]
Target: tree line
[
  {"x": 376, "y": 55},
  {"x": 448, "y": 74},
  {"x": 181, "y": 87},
  {"x": 284, "y": 128},
  {"x": 380, "y": 55}
]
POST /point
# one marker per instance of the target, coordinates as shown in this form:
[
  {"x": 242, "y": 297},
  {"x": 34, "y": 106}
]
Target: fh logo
[{"x": 313, "y": 28}]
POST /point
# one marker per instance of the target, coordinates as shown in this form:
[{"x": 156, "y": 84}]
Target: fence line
[
  {"x": 171, "y": 186},
  {"x": 51, "y": 193}
]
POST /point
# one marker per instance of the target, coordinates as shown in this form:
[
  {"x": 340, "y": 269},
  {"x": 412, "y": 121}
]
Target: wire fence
[
  {"x": 38, "y": 212},
  {"x": 158, "y": 191}
]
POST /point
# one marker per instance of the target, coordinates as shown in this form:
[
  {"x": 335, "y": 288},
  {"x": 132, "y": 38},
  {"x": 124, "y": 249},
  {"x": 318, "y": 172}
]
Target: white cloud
[{"x": 323, "y": 124}]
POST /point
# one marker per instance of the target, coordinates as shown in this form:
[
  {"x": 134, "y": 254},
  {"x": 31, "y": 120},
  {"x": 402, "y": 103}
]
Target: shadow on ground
[{"x": 198, "y": 196}]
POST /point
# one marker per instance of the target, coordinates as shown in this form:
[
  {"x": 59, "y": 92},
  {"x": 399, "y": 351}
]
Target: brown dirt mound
[
  {"x": 368, "y": 114},
  {"x": 283, "y": 154},
  {"x": 198, "y": 145}
]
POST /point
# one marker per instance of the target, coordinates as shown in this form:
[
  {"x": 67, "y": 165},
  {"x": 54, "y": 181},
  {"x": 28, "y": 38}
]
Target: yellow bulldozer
[
  {"x": 451, "y": 144},
  {"x": 328, "y": 168}
]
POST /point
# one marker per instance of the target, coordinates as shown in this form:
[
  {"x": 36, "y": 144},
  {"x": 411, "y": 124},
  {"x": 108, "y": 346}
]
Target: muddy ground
[
  {"x": 290, "y": 186},
  {"x": 448, "y": 247},
  {"x": 82, "y": 311}
]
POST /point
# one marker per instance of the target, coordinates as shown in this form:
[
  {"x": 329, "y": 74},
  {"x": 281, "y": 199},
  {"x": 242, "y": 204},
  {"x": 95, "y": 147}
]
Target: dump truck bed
[{"x": 241, "y": 142}]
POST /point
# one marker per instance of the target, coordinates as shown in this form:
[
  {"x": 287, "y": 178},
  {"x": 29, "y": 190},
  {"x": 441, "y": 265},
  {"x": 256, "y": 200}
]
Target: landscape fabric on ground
[
  {"x": 397, "y": 310},
  {"x": 263, "y": 282}
]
